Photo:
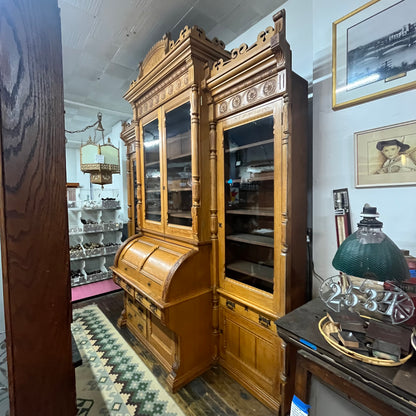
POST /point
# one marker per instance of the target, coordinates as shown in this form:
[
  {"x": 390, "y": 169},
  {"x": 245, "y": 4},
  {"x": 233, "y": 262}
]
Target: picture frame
[
  {"x": 386, "y": 156},
  {"x": 373, "y": 52}
]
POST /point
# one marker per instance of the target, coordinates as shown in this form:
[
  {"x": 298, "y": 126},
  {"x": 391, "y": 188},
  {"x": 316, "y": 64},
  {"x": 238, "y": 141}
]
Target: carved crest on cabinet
[
  {"x": 164, "y": 47},
  {"x": 243, "y": 50},
  {"x": 154, "y": 56}
]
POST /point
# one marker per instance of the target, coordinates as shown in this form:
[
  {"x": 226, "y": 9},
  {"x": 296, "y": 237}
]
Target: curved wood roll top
[{"x": 161, "y": 270}]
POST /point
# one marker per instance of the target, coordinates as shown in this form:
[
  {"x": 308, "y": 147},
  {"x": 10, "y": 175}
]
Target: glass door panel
[
  {"x": 179, "y": 166},
  {"x": 249, "y": 203},
  {"x": 151, "y": 145}
]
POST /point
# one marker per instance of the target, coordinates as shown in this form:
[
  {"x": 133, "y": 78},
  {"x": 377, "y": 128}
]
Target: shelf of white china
[{"x": 94, "y": 237}]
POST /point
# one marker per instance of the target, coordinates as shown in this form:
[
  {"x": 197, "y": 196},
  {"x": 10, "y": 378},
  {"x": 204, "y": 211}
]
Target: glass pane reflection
[
  {"x": 178, "y": 153},
  {"x": 151, "y": 142},
  {"x": 249, "y": 203}
]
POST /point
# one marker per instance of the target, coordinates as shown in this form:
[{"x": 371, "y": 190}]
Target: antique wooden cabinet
[
  {"x": 164, "y": 267},
  {"x": 258, "y": 133}
]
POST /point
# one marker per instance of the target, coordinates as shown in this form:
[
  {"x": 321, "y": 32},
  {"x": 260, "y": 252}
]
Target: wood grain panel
[
  {"x": 34, "y": 227},
  {"x": 248, "y": 347}
]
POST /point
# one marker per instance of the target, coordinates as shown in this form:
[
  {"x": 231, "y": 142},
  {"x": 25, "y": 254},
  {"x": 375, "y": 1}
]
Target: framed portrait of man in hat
[{"x": 386, "y": 156}]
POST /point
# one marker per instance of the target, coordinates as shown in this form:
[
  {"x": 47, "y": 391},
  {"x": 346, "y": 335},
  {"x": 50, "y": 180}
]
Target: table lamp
[{"x": 372, "y": 256}]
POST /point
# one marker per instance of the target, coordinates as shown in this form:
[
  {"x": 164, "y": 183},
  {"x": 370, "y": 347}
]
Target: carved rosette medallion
[
  {"x": 269, "y": 87},
  {"x": 236, "y": 101},
  {"x": 251, "y": 95},
  {"x": 223, "y": 107}
]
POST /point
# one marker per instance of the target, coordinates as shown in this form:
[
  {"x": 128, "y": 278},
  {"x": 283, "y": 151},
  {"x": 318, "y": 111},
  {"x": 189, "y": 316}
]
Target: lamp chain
[{"x": 82, "y": 130}]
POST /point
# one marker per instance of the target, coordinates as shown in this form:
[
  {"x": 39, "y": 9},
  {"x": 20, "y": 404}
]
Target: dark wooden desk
[{"x": 369, "y": 386}]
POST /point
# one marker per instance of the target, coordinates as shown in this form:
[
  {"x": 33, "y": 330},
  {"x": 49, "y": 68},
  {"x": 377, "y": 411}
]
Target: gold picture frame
[
  {"x": 373, "y": 52},
  {"x": 386, "y": 156}
]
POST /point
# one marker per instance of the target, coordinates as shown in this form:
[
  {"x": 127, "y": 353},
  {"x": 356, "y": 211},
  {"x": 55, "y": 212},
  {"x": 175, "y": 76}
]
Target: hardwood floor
[{"x": 212, "y": 394}]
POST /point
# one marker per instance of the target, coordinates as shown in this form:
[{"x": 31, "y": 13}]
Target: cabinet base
[{"x": 268, "y": 400}]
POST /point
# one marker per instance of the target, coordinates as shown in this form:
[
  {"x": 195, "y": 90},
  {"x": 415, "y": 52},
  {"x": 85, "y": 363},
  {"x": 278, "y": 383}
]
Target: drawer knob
[
  {"x": 230, "y": 305},
  {"x": 264, "y": 321}
]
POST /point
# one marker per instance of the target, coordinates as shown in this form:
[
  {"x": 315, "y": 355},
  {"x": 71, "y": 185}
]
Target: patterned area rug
[{"x": 112, "y": 379}]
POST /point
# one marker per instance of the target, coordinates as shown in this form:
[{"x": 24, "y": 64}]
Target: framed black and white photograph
[
  {"x": 373, "y": 52},
  {"x": 386, "y": 156}
]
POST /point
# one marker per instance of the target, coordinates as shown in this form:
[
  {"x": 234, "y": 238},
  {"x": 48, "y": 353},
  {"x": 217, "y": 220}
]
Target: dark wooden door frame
[{"x": 33, "y": 214}]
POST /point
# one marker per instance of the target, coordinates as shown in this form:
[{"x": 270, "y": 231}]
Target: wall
[{"x": 333, "y": 151}]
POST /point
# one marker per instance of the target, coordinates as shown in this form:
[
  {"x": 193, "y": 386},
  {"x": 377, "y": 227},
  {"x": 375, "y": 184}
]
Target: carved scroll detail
[{"x": 243, "y": 49}]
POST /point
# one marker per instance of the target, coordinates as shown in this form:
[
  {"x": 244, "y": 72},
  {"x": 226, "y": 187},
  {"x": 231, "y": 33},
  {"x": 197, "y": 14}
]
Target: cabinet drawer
[
  {"x": 149, "y": 305},
  {"x": 250, "y": 314},
  {"x": 153, "y": 288},
  {"x": 124, "y": 285},
  {"x": 136, "y": 317}
]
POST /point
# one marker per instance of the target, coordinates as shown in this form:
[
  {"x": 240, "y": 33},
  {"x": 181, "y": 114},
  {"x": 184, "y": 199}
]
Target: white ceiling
[{"x": 103, "y": 41}]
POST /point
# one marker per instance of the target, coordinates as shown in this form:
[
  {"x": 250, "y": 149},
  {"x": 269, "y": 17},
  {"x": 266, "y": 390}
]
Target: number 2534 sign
[{"x": 339, "y": 292}]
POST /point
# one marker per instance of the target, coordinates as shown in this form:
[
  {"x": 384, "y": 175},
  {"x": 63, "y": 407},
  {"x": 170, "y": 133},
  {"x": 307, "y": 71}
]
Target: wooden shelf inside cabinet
[
  {"x": 255, "y": 239},
  {"x": 179, "y": 156},
  {"x": 155, "y": 163},
  {"x": 259, "y": 212},
  {"x": 187, "y": 189},
  {"x": 252, "y": 269},
  {"x": 253, "y": 179},
  {"x": 248, "y": 146},
  {"x": 181, "y": 214}
]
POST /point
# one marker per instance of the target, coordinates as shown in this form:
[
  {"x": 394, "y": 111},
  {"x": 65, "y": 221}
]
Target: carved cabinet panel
[{"x": 258, "y": 114}]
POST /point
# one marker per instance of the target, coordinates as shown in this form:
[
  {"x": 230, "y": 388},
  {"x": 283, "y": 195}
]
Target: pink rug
[{"x": 93, "y": 289}]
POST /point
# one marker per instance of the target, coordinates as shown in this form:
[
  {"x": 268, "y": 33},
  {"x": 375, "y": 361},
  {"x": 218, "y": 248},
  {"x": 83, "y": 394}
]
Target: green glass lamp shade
[
  {"x": 369, "y": 253},
  {"x": 376, "y": 261}
]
